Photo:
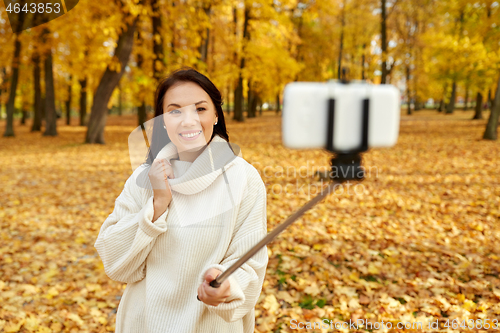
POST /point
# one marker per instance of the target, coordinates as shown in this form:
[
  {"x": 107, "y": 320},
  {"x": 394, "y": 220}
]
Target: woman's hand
[
  {"x": 213, "y": 296},
  {"x": 161, "y": 169}
]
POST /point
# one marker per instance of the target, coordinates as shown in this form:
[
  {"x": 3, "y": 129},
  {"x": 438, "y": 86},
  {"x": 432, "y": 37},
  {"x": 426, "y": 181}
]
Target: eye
[
  {"x": 173, "y": 111},
  {"x": 201, "y": 109}
]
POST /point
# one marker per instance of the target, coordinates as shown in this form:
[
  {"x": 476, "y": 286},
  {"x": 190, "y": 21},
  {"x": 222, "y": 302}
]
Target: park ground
[{"x": 416, "y": 241}]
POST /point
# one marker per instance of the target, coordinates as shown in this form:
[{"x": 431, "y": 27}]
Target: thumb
[{"x": 212, "y": 274}]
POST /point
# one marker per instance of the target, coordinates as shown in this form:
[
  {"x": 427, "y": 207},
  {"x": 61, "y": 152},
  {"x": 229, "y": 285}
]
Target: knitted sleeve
[
  {"x": 128, "y": 234},
  {"x": 251, "y": 226}
]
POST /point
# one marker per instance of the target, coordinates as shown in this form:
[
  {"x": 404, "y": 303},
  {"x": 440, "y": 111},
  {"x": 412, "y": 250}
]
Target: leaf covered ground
[{"x": 416, "y": 241}]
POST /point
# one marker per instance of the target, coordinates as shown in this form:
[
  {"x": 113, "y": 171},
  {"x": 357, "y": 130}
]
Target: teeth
[{"x": 190, "y": 135}]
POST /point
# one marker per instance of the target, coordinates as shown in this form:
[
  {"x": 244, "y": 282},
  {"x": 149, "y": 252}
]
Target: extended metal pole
[{"x": 270, "y": 236}]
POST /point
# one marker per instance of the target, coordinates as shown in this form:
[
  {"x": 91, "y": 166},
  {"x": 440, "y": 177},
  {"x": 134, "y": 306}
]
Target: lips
[{"x": 191, "y": 134}]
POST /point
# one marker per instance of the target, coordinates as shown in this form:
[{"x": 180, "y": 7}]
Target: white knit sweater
[{"x": 217, "y": 213}]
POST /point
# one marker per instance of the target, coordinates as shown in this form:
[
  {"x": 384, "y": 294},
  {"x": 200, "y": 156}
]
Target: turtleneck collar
[{"x": 215, "y": 158}]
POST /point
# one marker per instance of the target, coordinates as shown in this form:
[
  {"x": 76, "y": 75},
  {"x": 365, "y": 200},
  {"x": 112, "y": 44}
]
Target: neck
[{"x": 190, "y": 156}]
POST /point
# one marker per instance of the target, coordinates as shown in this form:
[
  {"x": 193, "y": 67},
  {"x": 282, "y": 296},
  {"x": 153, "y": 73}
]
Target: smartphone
[{"x": 305, "y": 115}]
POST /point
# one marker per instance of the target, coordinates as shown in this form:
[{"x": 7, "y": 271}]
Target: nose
[{"x": 190, "y": 118}]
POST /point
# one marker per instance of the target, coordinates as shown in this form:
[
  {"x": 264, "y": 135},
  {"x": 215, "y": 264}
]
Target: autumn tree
[
  {"x": 112, "y": 75},
  {"x": 9, "y": 124}
]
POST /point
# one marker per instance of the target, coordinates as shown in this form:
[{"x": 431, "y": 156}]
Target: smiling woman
[
  {"x": 190, "y": 127},
  {"x": 185, "y": 216},
  {"x": 176, "y": 98}
]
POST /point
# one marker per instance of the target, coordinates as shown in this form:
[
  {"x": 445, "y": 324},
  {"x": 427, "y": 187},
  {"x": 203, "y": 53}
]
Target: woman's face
[{"x": 187, "y": 108}]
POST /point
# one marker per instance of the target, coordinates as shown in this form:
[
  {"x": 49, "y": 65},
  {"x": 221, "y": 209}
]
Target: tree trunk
[
  {"x": 3, "y": 88},
  {"x": 43, "y": 108},
  {"x": 120, "y": 105},
  {"x": 68, "y": 103},
  {"x": 442, "y": 107},
  {"x": 9, "y": 124},
  {"x": 253, "y": 105},
  {"x": 479, "y": 106},
  {"x": 141, "y": 109},
  {"x": 466, "y": 102},
  {"x": 83, "y": 101},
  {"x": 250, "y": 102},
  {"x": 238, "y": 100},
  {"x": 238, "y": 93},
  {"x": 490, "y": 100},
  {"x": 259, "y": 101},
  {"x": 24, "y": 113},
  {"x": 249, "y": 96},
  {"x": 142, "y": 116},
  {"x": 158, "y": 63},
  {"x": 408, "y": 94},
  {"x": 417, "y": 105},
  {"x": 278, "y": 106},
  {"x": 173, "y": 33},
  {"x": 490, "y": 132},
  {"x": 339, "y": 67},
  {"x": 299, "y": 47},
  {"x": 109, "y": 81},
  {"x": 363, "y": 63},
  {"x": 383, "y": 32},
  {"x": 451, "y": 105},
  {"x": 493, "y": 102},
  {"x": 58, "y": 107},
  {"x": 37, "y": 103},
  {"x": 228, "y": 100},
  {"x": 50, "y": 98},
  {"x": 235, "y": 54},
  {"x": 203, "y": 48}
]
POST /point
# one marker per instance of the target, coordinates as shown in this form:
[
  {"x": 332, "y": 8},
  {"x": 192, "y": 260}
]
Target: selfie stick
[{"x": 341, "y": 163}]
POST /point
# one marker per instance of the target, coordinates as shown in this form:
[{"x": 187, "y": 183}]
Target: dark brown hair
[{"x": 185, "y": 74}]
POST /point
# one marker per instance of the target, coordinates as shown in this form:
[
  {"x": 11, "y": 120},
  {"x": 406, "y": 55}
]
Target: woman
[{"x": 184, "y": 216}]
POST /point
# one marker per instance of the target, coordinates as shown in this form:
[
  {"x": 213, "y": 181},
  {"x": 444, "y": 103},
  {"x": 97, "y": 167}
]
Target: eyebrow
[{"x": 177, "y": 105}]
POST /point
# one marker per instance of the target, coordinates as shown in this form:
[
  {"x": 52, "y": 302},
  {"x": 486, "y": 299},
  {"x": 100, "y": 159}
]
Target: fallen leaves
[{"x": 418, "y": 243}]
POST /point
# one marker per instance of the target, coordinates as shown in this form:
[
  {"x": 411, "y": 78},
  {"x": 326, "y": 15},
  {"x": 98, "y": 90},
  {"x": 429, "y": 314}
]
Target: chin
[{"x": 192, "y": 146}]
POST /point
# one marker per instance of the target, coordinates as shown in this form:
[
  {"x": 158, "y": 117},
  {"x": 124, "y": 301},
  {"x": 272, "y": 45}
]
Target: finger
[
  {"x": 207, "y": 299},
  {"x": 165, "y": 170},
  {"x": 215, "y": 295},
  {"x": 212, "y": 274},
  {"x": 210, "y": 292},
  {"x": 168, "y": 169},
  {"x": 209, "y": 277},
  {"x": 200, "y": 293}
]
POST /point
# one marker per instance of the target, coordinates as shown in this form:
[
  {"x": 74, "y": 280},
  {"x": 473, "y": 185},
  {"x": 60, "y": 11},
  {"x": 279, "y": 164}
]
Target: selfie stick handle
[{"x": 272, "y": 235}]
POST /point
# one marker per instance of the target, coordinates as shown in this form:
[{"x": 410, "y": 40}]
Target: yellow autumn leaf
[
  {"x": 354, "y": 276},
  {"x": 11, "y": 327},
  {"x": 270, "y": 303},
  {"x": 312, "y": 290},
  {"x": 372, "y": 269},
  {"x": 284, "y": 295},
  {"x": 51, "y": 293},
  {"x": 32, "y": 323},
  {"x": 76, "y": 318},
  {"x": 469, "y": 305}
]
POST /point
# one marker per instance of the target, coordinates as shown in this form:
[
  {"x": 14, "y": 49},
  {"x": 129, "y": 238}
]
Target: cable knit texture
[{"x": 217, "y": 213}]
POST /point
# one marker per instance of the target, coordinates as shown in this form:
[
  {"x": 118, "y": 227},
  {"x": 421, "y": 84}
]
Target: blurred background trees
[{"x": 108, "y": 58}]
